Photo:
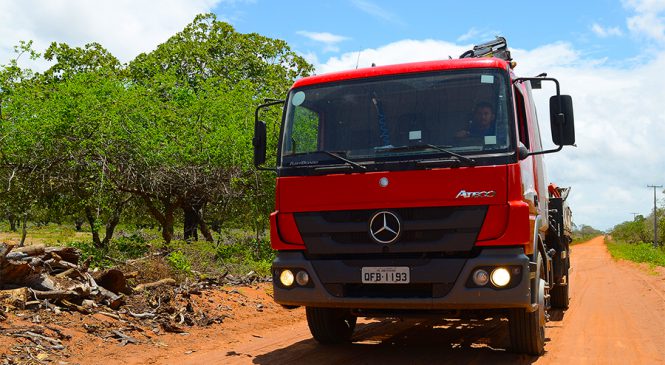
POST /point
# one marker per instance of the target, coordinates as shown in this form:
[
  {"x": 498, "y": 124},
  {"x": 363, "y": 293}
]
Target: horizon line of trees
[
  {"x": 640, "y": 229},
  {"x": 166, "y": 136}
]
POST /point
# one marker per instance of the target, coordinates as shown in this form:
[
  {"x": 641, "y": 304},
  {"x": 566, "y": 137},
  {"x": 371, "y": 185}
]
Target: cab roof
[{"x": 403, "y": 68}]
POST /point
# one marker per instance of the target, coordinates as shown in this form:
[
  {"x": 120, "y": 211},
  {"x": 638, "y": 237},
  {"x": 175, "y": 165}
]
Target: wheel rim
[{"x": 541, "y": 306}]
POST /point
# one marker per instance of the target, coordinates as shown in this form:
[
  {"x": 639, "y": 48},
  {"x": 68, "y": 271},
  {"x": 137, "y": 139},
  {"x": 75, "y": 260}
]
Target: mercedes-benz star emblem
[{"x": 384, "y": 227}]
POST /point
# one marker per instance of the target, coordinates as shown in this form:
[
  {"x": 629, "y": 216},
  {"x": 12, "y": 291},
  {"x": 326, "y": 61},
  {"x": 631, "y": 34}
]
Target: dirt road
[{"x": 616, "y": 316}]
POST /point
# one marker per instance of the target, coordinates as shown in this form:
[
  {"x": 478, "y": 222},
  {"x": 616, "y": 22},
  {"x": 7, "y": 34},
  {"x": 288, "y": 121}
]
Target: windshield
[{"x": 464, "y": 112}]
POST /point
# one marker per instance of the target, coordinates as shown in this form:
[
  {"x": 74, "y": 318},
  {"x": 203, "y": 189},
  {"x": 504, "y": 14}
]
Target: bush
[
  {"x": 179, "y": 262},
  {"x": 639, "y": 252},
  {"x": 247, "y": 255},
  {"x": 120, "y": 249},
  {"x": 236, "y": 253},
  {"x": 88, "y": 250}
]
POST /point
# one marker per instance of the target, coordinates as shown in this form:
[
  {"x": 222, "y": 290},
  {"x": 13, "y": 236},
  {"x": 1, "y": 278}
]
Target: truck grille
[{"x": 424, "y": 230}]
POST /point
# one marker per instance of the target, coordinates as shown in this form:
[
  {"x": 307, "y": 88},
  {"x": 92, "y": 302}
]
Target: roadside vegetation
[
  {"x": 633, "y": 240},
  {"x": 151, "y": 157},
  {"x": 637, "y": 252},
  {"x": 583, "y": 233}
]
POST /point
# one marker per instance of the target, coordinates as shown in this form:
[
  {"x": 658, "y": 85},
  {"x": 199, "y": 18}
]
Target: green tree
[
  {"x": 195, "y": 138},
  {"x": 20, "y": 179},
  {"x": 57, "y": 129},
  {"x": 171, "y": 130}
]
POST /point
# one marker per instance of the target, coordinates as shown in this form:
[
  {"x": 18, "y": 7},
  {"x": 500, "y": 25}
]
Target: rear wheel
[
  {"x": 527, "y": 329},
  {"x": 330, "y": 325},
  {"x": 560, "y": 297}
]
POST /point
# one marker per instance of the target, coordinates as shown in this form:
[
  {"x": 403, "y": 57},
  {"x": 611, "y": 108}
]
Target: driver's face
[{"x": 484, "y": 116}]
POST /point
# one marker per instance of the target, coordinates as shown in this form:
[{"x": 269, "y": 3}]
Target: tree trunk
[
  {"x": 167, "y": 227},
  {"x": 216, "y": 226},
  {"x": 190, "y": 223},
  {"x": 12, "y": 222},
  {"x": 113, "y": 221},
  {"x": 165, "y": 219},
  {"x": 193, "y": 220},
  {"x": 92, "y": 220},
  {"x": 78, "y": 224},
  {"x": 24, "y": 229},
  {"x": 205, "y": 231}
]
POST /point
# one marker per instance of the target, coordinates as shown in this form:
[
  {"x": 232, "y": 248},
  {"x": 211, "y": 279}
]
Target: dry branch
[{"x": 167, "y": 281}]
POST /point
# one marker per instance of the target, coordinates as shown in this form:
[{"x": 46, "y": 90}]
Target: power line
[{"x": 655, "y": 215}]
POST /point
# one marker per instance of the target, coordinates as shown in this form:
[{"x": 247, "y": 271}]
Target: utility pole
[
  {"x": 634, "y": 215},
  {"x": 655, "y": 216}
]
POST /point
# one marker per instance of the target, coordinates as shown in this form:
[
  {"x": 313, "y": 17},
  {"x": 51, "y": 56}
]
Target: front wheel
[
  {"x": 330, "y": 325},
  {"x": 527, "y": 329}
]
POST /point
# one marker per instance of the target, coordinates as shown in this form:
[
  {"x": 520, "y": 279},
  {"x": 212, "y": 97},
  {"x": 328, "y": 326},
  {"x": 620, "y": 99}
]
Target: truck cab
[{"x": 414, "y": 188}]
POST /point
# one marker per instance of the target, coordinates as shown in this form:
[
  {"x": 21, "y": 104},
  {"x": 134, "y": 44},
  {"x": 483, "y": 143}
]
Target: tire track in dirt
[{"x": 616, "y": 316}]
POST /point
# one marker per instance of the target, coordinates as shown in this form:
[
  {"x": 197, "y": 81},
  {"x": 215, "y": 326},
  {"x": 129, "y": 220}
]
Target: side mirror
[
  {"x": 562, "y": 120},
  {"x": 259, "y": 143}
]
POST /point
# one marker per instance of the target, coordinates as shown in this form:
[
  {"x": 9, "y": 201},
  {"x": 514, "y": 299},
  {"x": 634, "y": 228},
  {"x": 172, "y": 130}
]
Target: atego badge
[
  {"x": 384, "y": 227},
  {"x": 475, "y": 194}
]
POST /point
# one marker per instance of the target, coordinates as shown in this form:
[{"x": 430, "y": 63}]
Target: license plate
[{"x": 385, "y": 275}]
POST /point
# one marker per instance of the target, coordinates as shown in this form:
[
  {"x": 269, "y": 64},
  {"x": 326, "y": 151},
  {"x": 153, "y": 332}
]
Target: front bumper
[{"x": 448, "y": 277}]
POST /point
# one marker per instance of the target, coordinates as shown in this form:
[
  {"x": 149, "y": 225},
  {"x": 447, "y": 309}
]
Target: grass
[
  {"x": 637, "y": 252},
  {"x": 50, "y": 234},
  {"x": 235, "y": 253}
]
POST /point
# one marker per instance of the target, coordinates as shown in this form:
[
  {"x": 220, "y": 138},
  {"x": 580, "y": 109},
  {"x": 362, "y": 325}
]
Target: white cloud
[
  {"x": 377, "y": 11},
  {"x": 649, "y": 20},
  {"x": 604, "y": 32},
  {"x": 477, "y": 34},
  {"x": 310, "y": 57},
  {"x": 618, "y": 118},
  {"x": 402, "y": 51},
  {"x": 124, "y": 27},
  {"x": 648, "y": 25},
  {"x": 646, "y": 6},
  {"x": 323, "y": 37},
  {"x": 329, "y": 40}
]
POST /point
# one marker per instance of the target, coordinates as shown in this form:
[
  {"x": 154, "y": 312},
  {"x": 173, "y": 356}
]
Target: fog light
[
  {"x": 286, "y": 278},
  {"x": 480, "y": 277},
  {"x": 302, "y": 278},
  {"x": 500, "y": 277}
]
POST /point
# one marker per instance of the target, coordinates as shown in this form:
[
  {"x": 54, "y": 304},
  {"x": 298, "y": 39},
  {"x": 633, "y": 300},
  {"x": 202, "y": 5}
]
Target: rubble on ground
[{"x": 38, "y": 283}]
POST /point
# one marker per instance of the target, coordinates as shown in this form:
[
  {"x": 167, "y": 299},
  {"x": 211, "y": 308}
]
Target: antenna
[{"x": 358, "y": 60}]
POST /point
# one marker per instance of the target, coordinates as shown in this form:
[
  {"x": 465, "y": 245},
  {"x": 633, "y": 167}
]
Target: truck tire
[
  {"x": 527, "y": 329},
  {"x": 559, "y": 295},
  {"x": 330, "y": 325}
]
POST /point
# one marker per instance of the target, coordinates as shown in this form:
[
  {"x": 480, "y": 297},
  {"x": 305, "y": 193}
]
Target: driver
[{"x": 482, "y": 123}]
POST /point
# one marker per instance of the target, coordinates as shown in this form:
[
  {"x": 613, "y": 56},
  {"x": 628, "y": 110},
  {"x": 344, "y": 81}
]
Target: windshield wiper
[
  {"x": 354, "y": 164},
  {"x": 422, "y": 146}
]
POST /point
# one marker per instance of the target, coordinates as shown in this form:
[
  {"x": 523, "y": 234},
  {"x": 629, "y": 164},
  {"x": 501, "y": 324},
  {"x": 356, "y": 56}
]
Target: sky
[{"x": 608, "y": 55}]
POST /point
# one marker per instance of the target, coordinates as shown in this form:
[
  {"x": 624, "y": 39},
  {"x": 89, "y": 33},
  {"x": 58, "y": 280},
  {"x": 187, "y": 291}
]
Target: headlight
[
  {"x": 500, "y": 277},
  {"x": 286, "y": 278},
  {"x": 302, "y": 278},
  {"x": 481, "y": 277}
]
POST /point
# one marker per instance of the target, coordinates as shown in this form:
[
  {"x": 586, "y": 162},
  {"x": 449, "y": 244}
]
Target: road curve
[{"x": 616, "y": 316}]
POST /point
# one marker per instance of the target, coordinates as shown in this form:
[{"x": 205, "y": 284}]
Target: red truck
[{"x": 419, "y": 189}]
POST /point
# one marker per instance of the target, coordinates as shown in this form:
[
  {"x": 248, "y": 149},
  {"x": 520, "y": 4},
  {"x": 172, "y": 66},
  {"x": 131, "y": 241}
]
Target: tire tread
[{"x": 329, "y": 325}]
